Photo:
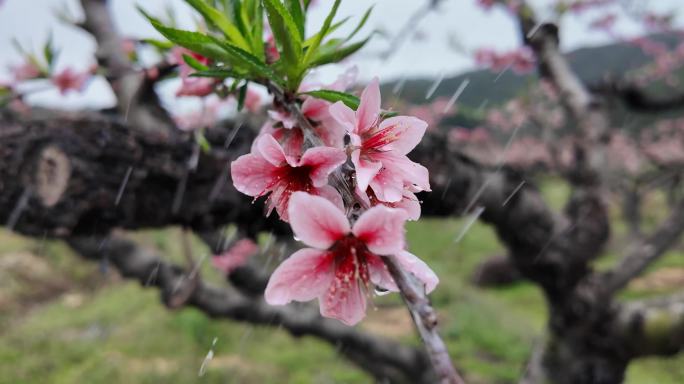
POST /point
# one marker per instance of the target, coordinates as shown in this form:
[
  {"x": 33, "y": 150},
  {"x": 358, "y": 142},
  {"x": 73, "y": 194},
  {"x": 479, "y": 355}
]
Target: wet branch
[
  {"x": 384, "y": 359},
  {"x": 645, "y": 252}
]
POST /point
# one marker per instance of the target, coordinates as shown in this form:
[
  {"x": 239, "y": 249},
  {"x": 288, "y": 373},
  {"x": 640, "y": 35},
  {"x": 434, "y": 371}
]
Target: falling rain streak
[
  {"x": 122, "y": 188},
  {"x": 513, "y": 193},
  {"x": 434, "y": 86},
  {"x": 456, "y": 95},
  {"x": 207, "y": 359},
  {"x": 19, "y": 209},
  {"x": 468, "y": 224}
]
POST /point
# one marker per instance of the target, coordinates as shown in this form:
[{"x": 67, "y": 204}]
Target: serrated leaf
[
  {"x": 194, "y": 41},
  {"x": 194, "y": 63},
  {"x": 218, "y": 73},
  {"x": 363, "y": 21},
  {"x": 161, "y": 45},
  {"x": 338, "y": 54},
  {"x": 313, "y": 49},
  {"x": 214, "y": 17},
  {"x": 295, "y": 7},
  {"x": 332, "y": 29},
  {"x": 286, "y": 34},
  {"x": 349, "y": 100},
  {"x": 251, "y": 62}
]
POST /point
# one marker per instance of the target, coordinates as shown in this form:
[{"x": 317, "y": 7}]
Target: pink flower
[
  {"x": 234, "y": 257},
  {"x": 344, "y": 260},
  {"x": 177, "y": 58},
  {"x": 269, "y": 170},
  {"x": 70, "y": 80},
  {"x": 26, "y": 71},
  {"x": 316, "y": 111},
  {"x": 379, "y": 148},
  {"x": 196, "y": 86},
  {"x": 252, "y": 100}
]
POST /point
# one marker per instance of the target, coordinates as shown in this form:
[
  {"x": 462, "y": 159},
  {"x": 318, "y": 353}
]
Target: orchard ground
[{"x": 65, "y": 320}]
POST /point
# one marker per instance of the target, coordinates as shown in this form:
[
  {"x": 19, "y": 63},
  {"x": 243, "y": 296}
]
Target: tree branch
[
  {"x": 653, "y": 327},
  {"x": 637, "y": 99},
  {"x": 645, "y": 252},
  {"x": 384, "y": 359},
  {"x": 137, "y": 100}
]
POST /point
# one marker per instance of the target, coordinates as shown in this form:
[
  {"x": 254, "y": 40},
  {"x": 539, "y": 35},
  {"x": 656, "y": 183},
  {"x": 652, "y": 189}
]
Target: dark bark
[{"x": 384, "y": 359}]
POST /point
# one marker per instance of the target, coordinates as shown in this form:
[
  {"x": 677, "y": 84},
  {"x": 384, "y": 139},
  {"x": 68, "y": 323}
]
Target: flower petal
[
  {"x": 251, "y": 174},
  {"x": 304, "y": 276},
  {"x": 330, "y": 193},
  {"x": 344, "y": 300},
  {"x": 411, "y": 263},
  {"x": 413, "y": 174},
  {"x": 365, "y": 170},
  {"x": 270, "y": 149},
  {"x": 315, "y": 220},
  {"x": 379, "y": 274},
  {"x": 382, "y": 229},
  {"x": 410, "y": 204},
  {"x": 404, "y": 132},
  {"x": 322, "y": 161},
  {"x": 369, "y": 108},
  {"x": 344, "y": 116}
]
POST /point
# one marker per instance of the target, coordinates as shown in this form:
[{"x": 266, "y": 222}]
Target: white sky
[{"x": 31, "y": 21}]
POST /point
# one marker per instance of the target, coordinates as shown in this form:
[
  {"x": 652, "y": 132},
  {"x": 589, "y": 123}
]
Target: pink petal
[
  {"x": 412, "y": 174},
  {"x": 235, "y": 257},
  {"x": 344, "y": 116},
  {"x": 365, "y": 170},
  {"x": 315, "y": 109},
  {"x": 411, "y": 263},
  {"x": 270, "y": 149},
  {"x": 251, "y": 174},
  {"x": 304, "y": 276},
  {"x": 379, "y": 274},
  {"x": 316, "y": 221},
  {"x": 369, "y": 107},
  {"x": 344, "y": 300},
  {"x": 410, "y": 204},
  {"x": 382, "y": 229},
  {"x": 406, "y": 131},
  {"x": 330, "y": 194},
  {"x": 323, "y": 161},
  {"x": 388, "y": 184}
]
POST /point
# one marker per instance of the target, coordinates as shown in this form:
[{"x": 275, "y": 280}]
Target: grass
[{"x": 99, "y": 329}]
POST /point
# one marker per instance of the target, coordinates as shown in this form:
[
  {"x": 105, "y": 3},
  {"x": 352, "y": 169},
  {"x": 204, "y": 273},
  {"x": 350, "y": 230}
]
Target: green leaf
[
  {"x": 251, "y": 62},
  {"x": 161, "y": 45},
  {"x": 332, "y": 29},
  {"x": 363, "y": 21},
  {"x": 295, "y": 7},
  {"x": 287, "y": 35},
  {"x": 214, "y": 17},
  {"x": 194, "y": 63},
  {"x": 258, "y": 30},
  {"x": 202, "y": 141},
  {"x": 50, "y": 53},
  {"x": 321, "y": 34},
  {"x": 349, "y": 100},
  {"x": 338, "y": 54},
  {"x": 241, "y": 97},
  {"x": 218, "y": 73},
  {"x": 194, "y": 41}
]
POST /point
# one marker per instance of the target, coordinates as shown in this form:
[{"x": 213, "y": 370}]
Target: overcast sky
[{"x": 440, "y": 46}]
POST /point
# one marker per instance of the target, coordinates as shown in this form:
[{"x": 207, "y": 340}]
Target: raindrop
[
  {"x": 513, "y": 193},
  {"x": 381, "y": 291}
]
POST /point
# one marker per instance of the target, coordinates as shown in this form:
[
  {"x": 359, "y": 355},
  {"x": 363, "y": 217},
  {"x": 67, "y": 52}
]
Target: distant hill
[{"x": 591, "y": 64}]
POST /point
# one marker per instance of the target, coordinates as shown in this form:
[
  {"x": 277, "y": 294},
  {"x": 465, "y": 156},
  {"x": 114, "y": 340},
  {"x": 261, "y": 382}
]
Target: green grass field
[{"x": 62, "y": 320}]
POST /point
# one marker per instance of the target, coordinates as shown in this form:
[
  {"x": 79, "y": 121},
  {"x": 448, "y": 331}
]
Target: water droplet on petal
[{"x": 381, "y": 291}]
